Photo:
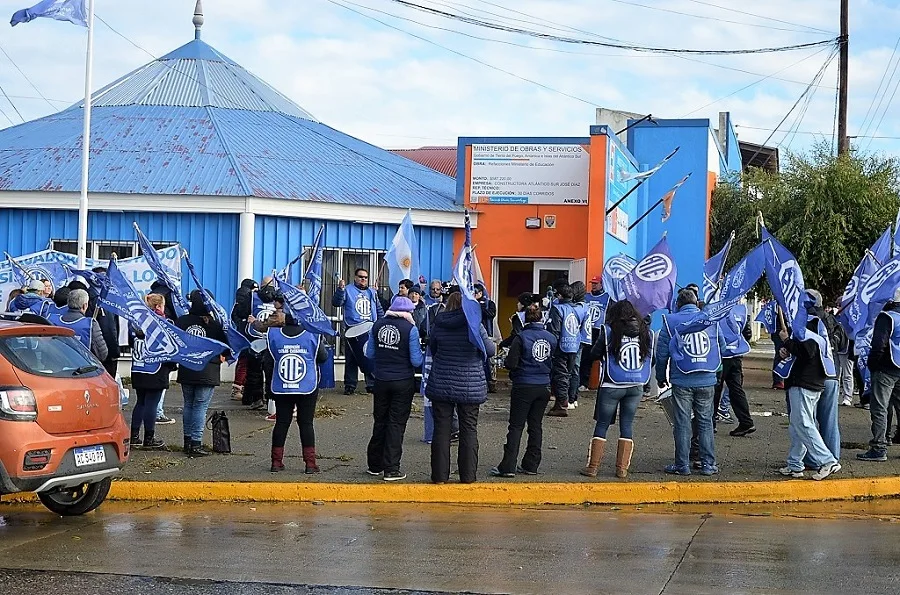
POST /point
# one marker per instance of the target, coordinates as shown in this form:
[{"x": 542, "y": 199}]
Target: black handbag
[{"x": 221, "y": 432}]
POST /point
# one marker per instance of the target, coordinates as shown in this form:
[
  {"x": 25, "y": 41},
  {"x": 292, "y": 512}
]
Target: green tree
[{"x": 826, "y": 209}]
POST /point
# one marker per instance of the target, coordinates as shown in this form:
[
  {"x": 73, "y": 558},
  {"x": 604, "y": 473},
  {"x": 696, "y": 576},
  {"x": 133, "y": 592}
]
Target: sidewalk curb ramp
[{"x": 496, "y": 493}]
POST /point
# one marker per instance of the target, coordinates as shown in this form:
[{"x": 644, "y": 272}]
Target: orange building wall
[{"x": 579, "y": 230}]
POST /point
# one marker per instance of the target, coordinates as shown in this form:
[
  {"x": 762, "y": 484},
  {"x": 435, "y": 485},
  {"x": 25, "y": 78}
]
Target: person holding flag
[
  {"x": 695, "y": 357},
  {"x": 361, "y": 305}
]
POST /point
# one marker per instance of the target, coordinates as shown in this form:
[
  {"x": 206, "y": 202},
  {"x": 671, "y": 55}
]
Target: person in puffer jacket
[{"x": 457, "y": 383}]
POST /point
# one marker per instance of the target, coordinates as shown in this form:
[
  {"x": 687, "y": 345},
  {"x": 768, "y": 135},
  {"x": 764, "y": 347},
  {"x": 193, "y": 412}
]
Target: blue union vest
[
  {"x": 261, "y": 311},
  {"x": 595, "y": 316},
  {"x": 538, "y": 345},
  {"x": 895, "y": 336},
  {"x": 295, "y": 371},
  {"x": 391, "y": 340},
  {"x": 137, "y": 359},
  {"x": 82, "y": 327},
  {"x": 783, "y": 368},
  {"x": 570, "y": 334},
  {"x": 628, "y": 369},
  {"x": 735, "y": 343},
  {"x": 360, "y": 306},
  {"x": 695, "y": 352}
]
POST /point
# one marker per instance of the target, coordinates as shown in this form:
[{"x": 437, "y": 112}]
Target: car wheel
[{"x": 78, "y": 500}]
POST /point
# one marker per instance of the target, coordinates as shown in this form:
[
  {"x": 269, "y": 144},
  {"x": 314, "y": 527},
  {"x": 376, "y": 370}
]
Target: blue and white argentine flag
[{"x": 401, "y": 257}]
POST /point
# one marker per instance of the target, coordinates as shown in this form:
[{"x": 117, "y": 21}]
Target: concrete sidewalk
[{"x": 343, "y": 427}]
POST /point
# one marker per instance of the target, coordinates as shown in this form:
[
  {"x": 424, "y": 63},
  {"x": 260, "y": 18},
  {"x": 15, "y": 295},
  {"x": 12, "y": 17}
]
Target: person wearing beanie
[
  {"x": 296, "y": 353},
  {"x": 32, "y": 300},
  {"x": 240, "y": 312},
  {"x": 197, "y": 386},
  {"x": 395, "y": 349},
  {"x": 884, "y": 365},
  {"x": 827, "y": 407},
  {"x": 419, "y": 309}
]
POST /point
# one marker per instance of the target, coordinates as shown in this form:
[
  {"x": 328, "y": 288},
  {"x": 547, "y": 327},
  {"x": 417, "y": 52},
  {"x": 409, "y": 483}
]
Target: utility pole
[{"x": 843, "y": 63}]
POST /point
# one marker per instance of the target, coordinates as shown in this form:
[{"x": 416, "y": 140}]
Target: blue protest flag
[
  {"x": 882, "y": 247},
  {"x": 402, "y": 256},
  {"x": 463, "y": 276},
  {"x": 313, "y": 274},
  {"x": 285, "y": 274},
  {"x": 236, "y": 340},
  {"x": 713, "y": 271},
  {"x": 786, "y": 281},
  {"x": 163, "y": 273},
  {"x": 879, "y": 289},
  {"x": 651, "y": 284},
  {"x": 307, "y": 313},
  {"x": 23, "y": 277},
  {"x": 613, "y": 271},
  {"x": 895, "y": 249},
  {"x": 851, "y": 315},
  {"x": 767, "y": 316},
  {"x": 164, "y": 342},
  {"x": 73, "y": 11}
]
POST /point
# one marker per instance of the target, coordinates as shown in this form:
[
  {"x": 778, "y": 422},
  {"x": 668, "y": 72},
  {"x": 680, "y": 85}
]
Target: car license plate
[{"x": 89, "y": 455}]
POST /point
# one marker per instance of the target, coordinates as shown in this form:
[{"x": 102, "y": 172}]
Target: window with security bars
[{"x": 104, "y": 249}]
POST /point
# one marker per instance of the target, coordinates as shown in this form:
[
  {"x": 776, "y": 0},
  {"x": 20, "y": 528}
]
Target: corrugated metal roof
[
  {"x": 196, "y": 123},
  {"x": 442, "y": 159}
]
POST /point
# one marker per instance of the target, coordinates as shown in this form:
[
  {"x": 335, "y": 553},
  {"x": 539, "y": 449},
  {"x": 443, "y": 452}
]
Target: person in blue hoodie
[
  {"x": 689, "y": 361},
  {"x": 32, "y": 300}
]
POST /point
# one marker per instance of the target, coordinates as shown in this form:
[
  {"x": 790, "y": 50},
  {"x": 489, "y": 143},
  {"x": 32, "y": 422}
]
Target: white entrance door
[
  {"x": 578, "y": 270},
  {"x": 548, "y": 271}
]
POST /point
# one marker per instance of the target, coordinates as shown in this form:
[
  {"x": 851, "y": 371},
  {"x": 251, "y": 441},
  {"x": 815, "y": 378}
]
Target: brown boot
[
  {"x": 595, "y": 455},
  {"x": 277, "y": 459},
  {"x": 309, "y": 457},
  {"x": 559, "y": 408},
  {"x": 623, "y": 457}
]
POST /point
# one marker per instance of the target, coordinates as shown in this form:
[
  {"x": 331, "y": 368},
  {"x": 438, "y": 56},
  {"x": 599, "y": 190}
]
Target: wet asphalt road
[{"x": 356, "y": 549}]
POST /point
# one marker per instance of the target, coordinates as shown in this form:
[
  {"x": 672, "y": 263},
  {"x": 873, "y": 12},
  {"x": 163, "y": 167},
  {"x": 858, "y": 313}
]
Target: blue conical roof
[{"x": 195, "y": 122}]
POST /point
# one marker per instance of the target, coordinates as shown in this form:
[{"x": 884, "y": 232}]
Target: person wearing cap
[
  {"x": 827, "y": 407},
  {"x": 32, "y": 300},
  {"x": 884, "y": 365},
  {"x": 395, "y": 349}
]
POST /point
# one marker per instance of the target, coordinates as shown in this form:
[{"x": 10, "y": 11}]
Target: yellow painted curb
[{"x": 507, "y": 493}]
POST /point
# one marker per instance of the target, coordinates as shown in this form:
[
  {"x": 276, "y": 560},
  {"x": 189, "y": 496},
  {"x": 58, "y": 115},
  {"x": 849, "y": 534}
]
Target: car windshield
[{"x": 57, "y": 356}]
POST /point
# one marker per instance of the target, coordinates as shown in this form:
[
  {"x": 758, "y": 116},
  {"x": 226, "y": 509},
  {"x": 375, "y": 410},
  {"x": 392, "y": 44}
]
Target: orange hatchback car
[{"x": 62, "y": 432}]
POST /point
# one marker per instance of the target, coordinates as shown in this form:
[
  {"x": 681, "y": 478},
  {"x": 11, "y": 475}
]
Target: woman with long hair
[
  {"x": 625, "y": 349},
  {"x": 457, "y": 383}
]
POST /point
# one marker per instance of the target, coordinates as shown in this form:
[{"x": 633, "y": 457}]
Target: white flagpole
[{"x": 86, "y": 142}]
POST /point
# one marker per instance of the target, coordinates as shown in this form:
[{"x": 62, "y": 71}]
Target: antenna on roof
[{"x": 198, "y": 19}]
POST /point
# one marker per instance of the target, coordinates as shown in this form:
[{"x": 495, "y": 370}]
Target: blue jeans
[
  {"x": 145, "y": 411},
  {"x": 827, "y": 417},
  {"x": 805, "y": 436},
  {"x": 575, "y": 378},
  {"x": 196, "y": 402},
  {"x": 608, "y": 399},
  {"x": 700, "y": 401},
  {"x": 162, "y": 401}
]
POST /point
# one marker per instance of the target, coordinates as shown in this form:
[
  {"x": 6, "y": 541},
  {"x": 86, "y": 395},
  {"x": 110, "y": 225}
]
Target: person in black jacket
[
  {"x": 805, "y": 384},
  {"x": 488, "y": 314},
  {"x": 517, "y": 320},
  {"x": 240, "y": 312},
  {"x": 198, "y": 386},
  {"x": 528, "y": 361},
  {"x": 149, "y": 381},
  {"x": 884, "y": 365}
]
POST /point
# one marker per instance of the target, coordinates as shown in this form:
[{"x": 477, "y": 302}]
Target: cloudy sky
[{"x": 398, "y": 77}]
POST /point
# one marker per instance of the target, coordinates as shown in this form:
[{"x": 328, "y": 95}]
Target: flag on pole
[
  {"x": 650, "y": 285},
  {"x": 786, "y": 281},
  {"x": 306, "y": 312},
  {"x": 19, "y": 272},
  {"x": 767, "y": 316},
  {"x": 73, "y": 11},
  {"x": 313, "y": 274},
  {"x": 881, "y": 249},
  {"x": 164, "y": 342},
  {"x": 163, "y": 273},
  {"x": 401, "y": 257},
  {"x": 669, "y": 196},
  {"x": 462, "y": 275},
  {"x": 285, "y": 274},
  {"x": 613, "y": 271},
  {"x": 236, "y": 340},
  {"x": 713, "y": 271},
  {"x": 851, "y": 313},
  {"x": 624, "y": 176}
]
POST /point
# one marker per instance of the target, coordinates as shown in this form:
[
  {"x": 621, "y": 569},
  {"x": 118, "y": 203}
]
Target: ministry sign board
[{"x": 530, "y": 174}]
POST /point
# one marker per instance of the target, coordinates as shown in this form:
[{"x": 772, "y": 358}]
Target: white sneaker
[
  {"x": 846, "y": 402},
  {"x": 788, "y": 472},
  {"x": 573, "y": 405},
  {"x": 826, "y": 471},
  {"x": 583, "y": 389}
]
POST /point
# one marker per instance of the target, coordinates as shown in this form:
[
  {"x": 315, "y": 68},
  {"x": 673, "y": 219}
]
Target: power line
[
  {"x": 625, "y": 46},
  {"x": 2, "y": 90},
  {"x": 754, "y": 83},
  {"x": 759, "y": 16},
  {"x": 886, "y": 108},
  {"x": 530, "y": 47},
  {"x": 25, "y": 76},
  {"x": 880, "y": 83},
  {"x": 815, "y": 133},
  {"x": 466, "y": 56},
  {"x": 700, "y": 16}
]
